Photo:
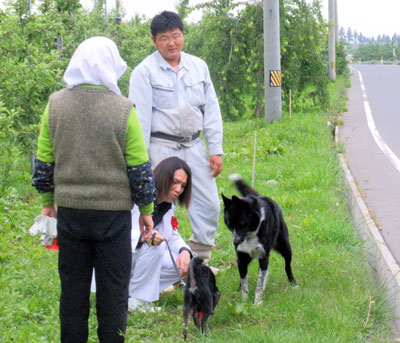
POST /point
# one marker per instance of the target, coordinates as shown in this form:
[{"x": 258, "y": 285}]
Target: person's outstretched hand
[{"x": 183, "y": 261}]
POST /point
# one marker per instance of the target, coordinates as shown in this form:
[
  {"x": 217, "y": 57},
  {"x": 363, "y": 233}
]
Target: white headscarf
[{"x": 96, "y": 61}]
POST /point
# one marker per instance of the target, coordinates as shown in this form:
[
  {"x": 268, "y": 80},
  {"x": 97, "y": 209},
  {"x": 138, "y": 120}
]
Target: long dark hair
[{"x": 164, "y": 178}]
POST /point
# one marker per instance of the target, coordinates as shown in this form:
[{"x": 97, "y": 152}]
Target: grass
[{"x": 336, "y": 301}]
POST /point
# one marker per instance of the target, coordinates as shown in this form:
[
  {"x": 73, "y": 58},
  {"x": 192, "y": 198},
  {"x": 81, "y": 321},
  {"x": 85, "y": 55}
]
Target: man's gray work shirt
[{"x": 176, "y": 103}]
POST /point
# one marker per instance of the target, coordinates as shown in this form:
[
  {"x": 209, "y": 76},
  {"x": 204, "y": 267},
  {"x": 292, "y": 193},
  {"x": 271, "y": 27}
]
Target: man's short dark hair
[{"x": 165, "y": 21}]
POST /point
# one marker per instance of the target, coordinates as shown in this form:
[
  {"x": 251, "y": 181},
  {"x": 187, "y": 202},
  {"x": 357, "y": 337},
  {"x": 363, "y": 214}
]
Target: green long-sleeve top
[{"x": 135, "y": 150}]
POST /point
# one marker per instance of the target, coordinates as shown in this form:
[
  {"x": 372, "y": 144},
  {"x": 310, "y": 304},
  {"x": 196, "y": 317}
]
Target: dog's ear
[
  {"x": 245, "y": 203},
  {"x": 236, "y": 200},
  {"x": 227, "y": 201}
]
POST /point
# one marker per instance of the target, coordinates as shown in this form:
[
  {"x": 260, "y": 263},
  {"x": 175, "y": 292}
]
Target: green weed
[{"x": 336, "y": 301}]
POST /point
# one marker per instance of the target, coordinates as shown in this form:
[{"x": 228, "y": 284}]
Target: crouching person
[
  {"x": 92, "y": 163},
  {"x": 153, "y": 267}
]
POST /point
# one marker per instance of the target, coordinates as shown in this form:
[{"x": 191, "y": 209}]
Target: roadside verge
[{"x": 381, "y": 260}]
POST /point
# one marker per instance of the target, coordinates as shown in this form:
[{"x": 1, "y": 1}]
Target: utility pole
[
  {"x": 331, "y": 41},
  {"x": 272, "y": 61},
  {"x": 337, "y": 41}
]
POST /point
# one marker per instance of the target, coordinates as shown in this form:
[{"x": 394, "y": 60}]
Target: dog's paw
[
  {"x": 258, "y": 302},
  {"x": 245, "y": 295},
  {"x": 258, "y": 298}
]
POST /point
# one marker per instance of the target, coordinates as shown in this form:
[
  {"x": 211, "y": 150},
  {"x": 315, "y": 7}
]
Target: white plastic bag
[{"x": 47, "y": 227}]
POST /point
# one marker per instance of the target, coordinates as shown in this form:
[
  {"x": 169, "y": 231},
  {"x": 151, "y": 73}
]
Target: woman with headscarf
[{"x": 92, "y": 163}]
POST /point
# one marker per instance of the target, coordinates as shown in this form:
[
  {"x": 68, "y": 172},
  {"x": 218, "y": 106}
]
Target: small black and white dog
[
  {"x": 201, "y": 294},
  {"x": 257, "y": 226}
]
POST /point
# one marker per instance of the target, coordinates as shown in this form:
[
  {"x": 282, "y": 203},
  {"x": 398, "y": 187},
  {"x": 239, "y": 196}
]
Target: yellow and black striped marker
[{"x": 275, "y": 79}]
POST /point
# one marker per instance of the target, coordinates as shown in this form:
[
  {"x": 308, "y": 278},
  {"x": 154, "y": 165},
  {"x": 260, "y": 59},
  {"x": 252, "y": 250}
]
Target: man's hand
[
  {"x": 49, "y": 211},
  {"x": 183, "y": 261},
  {"x": 216, "y": 164},
  {"x": 146, "y": 226}
]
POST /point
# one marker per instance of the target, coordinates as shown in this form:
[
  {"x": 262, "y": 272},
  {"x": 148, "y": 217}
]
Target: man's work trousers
[
  {"x": 101, "y": 240},
  {"x": 205, "y": 204}
]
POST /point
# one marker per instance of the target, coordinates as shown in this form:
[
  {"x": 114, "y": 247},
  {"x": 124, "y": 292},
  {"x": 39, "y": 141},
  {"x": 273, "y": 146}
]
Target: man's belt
[{"x": 178, "y": 139}]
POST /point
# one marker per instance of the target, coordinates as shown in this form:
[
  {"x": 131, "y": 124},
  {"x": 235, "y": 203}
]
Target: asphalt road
[{"x": 371, "y": 137}]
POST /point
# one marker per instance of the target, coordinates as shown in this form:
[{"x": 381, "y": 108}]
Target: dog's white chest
[{"x": 251, "y": 246}]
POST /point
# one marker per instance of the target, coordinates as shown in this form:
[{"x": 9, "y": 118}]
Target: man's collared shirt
[{"x": 178, "y": 103}]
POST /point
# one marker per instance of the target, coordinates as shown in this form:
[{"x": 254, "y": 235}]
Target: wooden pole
[{"x": 253, "y": 175}]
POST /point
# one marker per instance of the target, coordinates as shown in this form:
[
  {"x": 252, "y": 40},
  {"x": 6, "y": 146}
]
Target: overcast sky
[{"x": 370, "y": 17}]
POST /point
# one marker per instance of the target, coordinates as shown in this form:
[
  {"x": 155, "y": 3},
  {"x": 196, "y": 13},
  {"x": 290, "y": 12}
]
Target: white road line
[{"x": 393, "y": 159}]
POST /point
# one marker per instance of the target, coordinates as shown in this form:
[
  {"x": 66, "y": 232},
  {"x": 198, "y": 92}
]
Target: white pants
[
  {"x": 152, "y": 272},
  {"x": 205, "y": 205}
]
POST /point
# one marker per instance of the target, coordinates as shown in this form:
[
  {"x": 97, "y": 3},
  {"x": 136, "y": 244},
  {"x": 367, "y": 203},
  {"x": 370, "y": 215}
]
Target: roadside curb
[{"x": 383, "y": 264}]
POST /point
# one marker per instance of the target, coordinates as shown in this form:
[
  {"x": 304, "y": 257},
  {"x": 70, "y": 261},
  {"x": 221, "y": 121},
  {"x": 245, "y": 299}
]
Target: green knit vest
[{"x": 88, "y": 127}]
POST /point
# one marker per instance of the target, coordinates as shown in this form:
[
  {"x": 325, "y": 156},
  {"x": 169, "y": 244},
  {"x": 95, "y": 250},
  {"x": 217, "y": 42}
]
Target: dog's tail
[
  {"x": 196, "y": 261},
  {"x": 242, "y": 187}
]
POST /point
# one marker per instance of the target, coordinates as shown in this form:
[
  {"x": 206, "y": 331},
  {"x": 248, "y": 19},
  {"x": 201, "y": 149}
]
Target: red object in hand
[
  {"x": 174, "y": 223},
  {"x": 54, "y": 246},
  {"x": 200, "y": 314}
]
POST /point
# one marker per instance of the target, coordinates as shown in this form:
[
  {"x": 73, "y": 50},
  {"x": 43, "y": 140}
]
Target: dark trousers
[{"x": 101, "y": 240}]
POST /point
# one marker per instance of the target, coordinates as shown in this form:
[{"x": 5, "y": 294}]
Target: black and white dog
[
  {"x": 201, "y": 294},
  {"x": 257, "y": 226}
]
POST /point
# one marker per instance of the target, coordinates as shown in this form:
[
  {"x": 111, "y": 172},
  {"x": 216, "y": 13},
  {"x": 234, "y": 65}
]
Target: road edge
[{"x": 383, "y": 265}]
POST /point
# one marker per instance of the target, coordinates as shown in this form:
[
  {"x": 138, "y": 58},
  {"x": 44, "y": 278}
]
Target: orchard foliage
[
  {"x": 35, "y": 50},
  {"x": 29, "y": 67},
  {"x": 376, "y": 51},
  {"x": 371, "y": 49},
  {"x": 230, "y": 39}
]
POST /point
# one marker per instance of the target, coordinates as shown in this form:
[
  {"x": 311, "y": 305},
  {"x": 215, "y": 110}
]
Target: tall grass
[{"x": 336, "y": 301}]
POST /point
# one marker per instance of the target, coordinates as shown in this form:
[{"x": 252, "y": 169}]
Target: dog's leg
[
  {"x": 196, "y": 319},
  {"x": 204, "y": 318},
  {"x": 244, "y": 286},
  {"x": 243, "y": 263},
  {"x": 262, "y": 280},
  {"x": 187, "y": 311},
  {"x": 283, "y": 247}
]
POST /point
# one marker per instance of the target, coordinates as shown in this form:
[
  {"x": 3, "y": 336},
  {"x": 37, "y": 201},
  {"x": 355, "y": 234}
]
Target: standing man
[{"x": 176, "y": 101}]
